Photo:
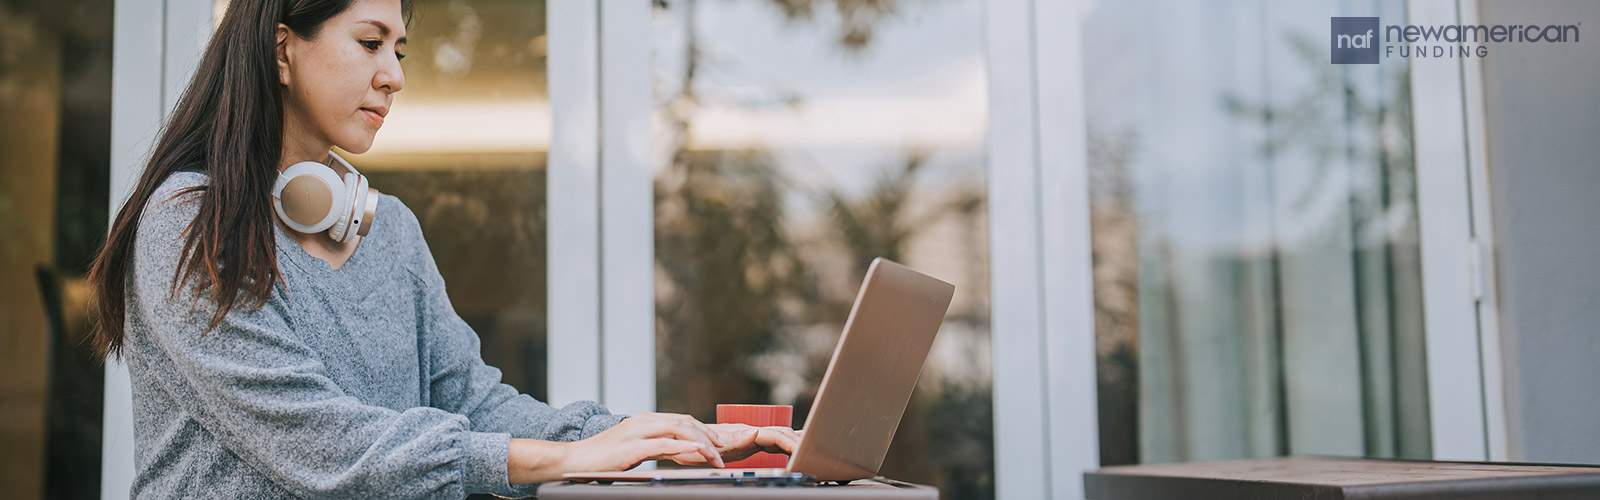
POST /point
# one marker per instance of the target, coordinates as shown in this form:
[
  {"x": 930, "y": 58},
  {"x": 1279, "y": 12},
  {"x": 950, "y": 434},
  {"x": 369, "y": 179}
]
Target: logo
[{"x": 1354, "y": 40}]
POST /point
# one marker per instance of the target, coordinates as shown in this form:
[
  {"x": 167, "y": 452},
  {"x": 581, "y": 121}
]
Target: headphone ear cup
[
  {"x": 357, "y": 220},
  {"x": 308, "y": 197},
  {"x": 360, "y": 215},
  {"x": 340, "y": 231}
]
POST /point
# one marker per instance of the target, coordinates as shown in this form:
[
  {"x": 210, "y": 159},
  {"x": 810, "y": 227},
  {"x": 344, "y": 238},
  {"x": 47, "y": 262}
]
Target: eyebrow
[{"x": 383, "y": 29}]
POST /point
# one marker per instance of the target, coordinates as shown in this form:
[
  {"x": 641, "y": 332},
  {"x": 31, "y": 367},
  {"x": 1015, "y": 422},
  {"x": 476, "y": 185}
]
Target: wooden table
[
  {"x": 863, "y": 489},
  {"x": 1327, "y": 478}
]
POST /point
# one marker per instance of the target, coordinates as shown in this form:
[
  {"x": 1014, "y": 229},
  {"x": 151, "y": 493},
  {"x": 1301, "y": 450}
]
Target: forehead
[{"x": 383, "y": 14}]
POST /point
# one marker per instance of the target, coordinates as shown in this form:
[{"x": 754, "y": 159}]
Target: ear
[{"x": 282, "y": 52}]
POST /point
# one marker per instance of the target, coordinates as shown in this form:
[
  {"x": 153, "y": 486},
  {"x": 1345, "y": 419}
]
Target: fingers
[
  {"x": 716, "y": 440},
  {"x": 699, "y": 430},
  {"x": 734, "y": 436},
  {"x": 667, "y": 448},
  {"x": 738, "y": 441},
  {"x": 693, "y": 458},
  {"x": 655, "y": 436},
  {"x": 686, "y": 428},
  {"x": 711, "y": 441},
  {"x": 778, "y": 439}
]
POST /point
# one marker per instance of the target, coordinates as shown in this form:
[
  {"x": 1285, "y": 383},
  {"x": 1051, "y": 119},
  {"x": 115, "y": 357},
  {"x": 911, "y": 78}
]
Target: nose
[{"x": 390, "y": 78}]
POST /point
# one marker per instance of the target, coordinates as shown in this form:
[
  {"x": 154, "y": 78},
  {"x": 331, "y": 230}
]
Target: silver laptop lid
[{"x": 873, "y": 371}]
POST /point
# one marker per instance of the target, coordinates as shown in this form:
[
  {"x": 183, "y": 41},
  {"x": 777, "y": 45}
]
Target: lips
[{"x": 376, "y": 114}]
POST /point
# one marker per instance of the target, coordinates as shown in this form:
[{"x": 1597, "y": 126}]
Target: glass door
[
  {"x": 465, "y": 148},
  {"x": 793, "y": 142},
  {"x": 55, "y": 142},
  {"x": 1257, "y": 271}
]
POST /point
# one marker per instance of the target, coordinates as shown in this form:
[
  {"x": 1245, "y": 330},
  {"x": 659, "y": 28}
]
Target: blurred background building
[{"x": 1178, "y": 233}]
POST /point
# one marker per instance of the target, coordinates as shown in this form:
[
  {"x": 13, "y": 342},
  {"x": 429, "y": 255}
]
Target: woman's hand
[
  {"x": 740, "y": 441},
  {"x": 646, "y": 436}
]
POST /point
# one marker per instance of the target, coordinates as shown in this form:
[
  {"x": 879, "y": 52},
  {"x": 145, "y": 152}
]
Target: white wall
[{"x": 1543, "y": 115}]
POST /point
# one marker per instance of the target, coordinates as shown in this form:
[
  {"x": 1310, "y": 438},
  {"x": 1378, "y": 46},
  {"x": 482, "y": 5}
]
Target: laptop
[{"x": 864, "y": 393}]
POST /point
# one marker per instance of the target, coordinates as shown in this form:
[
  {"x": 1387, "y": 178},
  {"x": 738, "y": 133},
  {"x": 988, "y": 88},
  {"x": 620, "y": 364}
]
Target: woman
[{"x": 268, "y": 362}]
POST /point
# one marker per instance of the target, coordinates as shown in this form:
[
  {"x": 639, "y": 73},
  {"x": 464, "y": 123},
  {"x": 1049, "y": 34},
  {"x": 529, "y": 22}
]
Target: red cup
[{"x": 759, "y": 416}]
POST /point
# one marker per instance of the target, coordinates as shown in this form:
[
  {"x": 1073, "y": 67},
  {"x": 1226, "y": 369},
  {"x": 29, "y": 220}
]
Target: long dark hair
[{"x": 228, "y": 123}]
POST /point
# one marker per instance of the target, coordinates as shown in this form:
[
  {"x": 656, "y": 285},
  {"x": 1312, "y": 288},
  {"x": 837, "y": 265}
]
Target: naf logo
[{"x": 1354, "y": 40}]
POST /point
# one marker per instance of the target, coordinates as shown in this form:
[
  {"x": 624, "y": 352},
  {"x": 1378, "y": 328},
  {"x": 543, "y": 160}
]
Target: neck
[
  {"x": 297, "y": 155},
  {"x": 298, "y": 148}
]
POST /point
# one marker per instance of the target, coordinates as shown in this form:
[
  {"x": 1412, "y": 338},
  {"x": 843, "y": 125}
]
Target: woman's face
[{"x": 338, "y": 86}]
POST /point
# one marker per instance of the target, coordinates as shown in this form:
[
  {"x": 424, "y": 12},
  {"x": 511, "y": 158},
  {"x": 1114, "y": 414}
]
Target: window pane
[
  {"x": 55, "y": 148},
  {"x": 795, "y": 141},
  {"x": 1257, "y": 278},
  {"x": 465, "y": 147}
]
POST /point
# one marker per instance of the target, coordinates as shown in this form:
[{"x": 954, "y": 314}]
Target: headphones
[{"x": 311, "y": 198}]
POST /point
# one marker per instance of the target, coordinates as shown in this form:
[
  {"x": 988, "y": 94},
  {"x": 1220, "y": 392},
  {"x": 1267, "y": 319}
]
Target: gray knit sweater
[{"x": 360, "y": 382}]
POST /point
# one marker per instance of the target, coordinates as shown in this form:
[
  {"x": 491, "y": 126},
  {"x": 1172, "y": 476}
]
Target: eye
[
  {"x": 399, "y": 56},
  {"x": 372, "y": 44}
]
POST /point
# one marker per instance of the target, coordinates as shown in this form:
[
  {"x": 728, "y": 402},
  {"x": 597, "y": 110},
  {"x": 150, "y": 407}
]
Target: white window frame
[
  {"x": 1017, "y": 297},
  {"x": 602, "y": 247},
  {"x": 1046, "y": 427},
  {"x": 627, "y": 212},
  {"x": 601, "y": 206},
  {"x": 156, "y": 46},
  {"x": 1487, "y": 304},
  {"x": 573, "y": 198},
  {"x": 1070, "y": 379},
  {"x": 1465, "y": 388}
]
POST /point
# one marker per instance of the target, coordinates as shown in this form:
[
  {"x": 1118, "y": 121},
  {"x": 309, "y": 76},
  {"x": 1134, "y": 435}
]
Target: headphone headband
[{"x": 340, "y": 160}]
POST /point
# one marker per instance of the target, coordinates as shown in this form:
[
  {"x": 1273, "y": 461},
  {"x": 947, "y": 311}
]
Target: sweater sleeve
[
  {"x": 461, "y": 382},
  {"x": 265, "y": 396}
]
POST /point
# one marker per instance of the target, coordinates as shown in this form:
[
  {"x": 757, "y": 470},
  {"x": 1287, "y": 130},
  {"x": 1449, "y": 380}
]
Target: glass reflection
[
  {"x": 465, "y": 148},
  {"x": 55, "y": 146},
  {"x": 795, "y": 141},
  {"x": 1257, "y": 278}
]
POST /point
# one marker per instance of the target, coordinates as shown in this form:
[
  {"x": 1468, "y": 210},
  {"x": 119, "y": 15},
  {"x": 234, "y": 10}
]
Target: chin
[{"x": 358, "y": 146}]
